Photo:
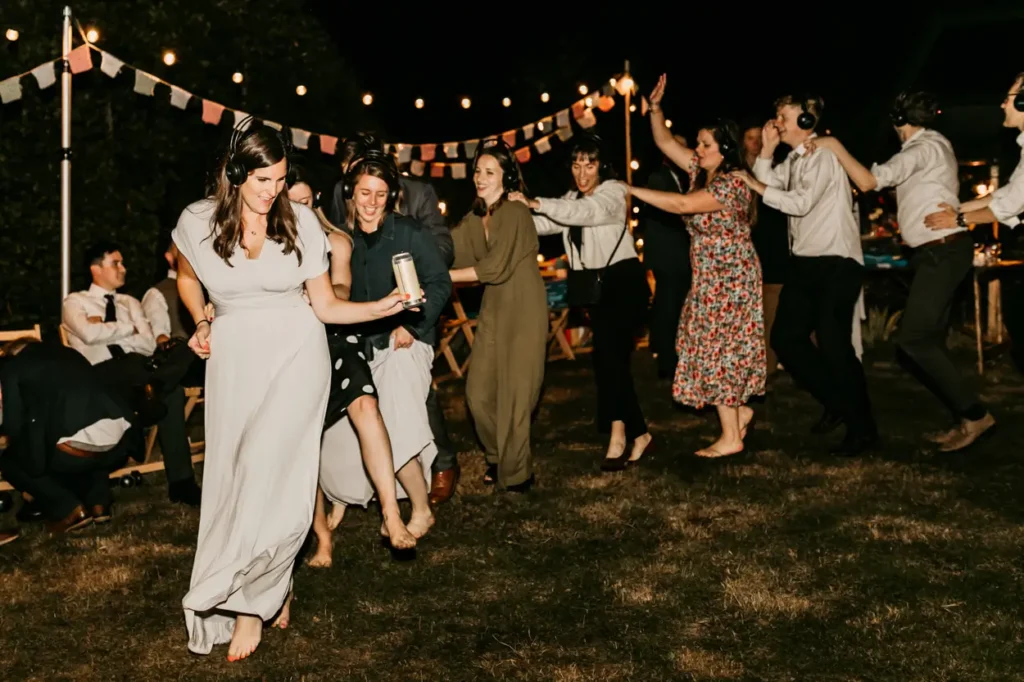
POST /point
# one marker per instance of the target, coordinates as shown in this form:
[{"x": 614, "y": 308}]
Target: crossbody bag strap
[{"x": 616, "y": 248}]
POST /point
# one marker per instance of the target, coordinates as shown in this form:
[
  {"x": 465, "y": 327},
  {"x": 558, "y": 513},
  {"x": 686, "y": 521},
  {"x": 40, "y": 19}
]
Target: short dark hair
[
  {"x": 812, "y": 104},
  {"x": 357, "y": 145},
  {"x": 919, "y": 108},
  {"x": 95, "y": 254},
  {"x": 591, "y": 147}
]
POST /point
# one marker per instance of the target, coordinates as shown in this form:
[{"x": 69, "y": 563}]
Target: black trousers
[
  {"x": 69, "y": 481},
  {"x": 939, "y": 272},
  {"x": 819, "y": 296},
  {"x": 132, "y": 371},
  {"x": 446, "y": 458},
  {"x": 670, "y": 290},
  {"x": 1012, "y": 287},
  {"x": 614, "y": 322}
]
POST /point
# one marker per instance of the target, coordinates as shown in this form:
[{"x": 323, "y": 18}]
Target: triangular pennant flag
[
  {"x": 509, "y": 138},
  {"x": 273, "y": 124},
  {"x": 145, "y": 83},
  {"x": 469, "y": 146},
  {"x": 300, "y": 138},
  {"x": 110, "y": 64},
  {"x": 328, "y": 144},
  {"x": 10, "y": 89},
  {"x": 543, "y": 145},
  {"x": 179, "y": 97},
  {"x": 643, "y": 106},
  {"x": 417, "y": 167},
  {"x": 562, "y": 118},
  {"x": 80, "y": 59},
  {"x": 528, "y": 131},
  {"x": 577, "y": 108},
  {"x": 451, "y": 149},
  {"x": 427, "y": 152},
  {"x": 45, "y": 75},
  {"x": 458, "y": 171},
  {"x": 212, "y": 112},
  {"x": 437, "y": 170},
  {"x": 404, "y": 153},
  {"x": 523, "y": 155},
  {"x": 239, "y": 116},
  {"x": 564, "y": 134},
  {"x": 587, "y": 120}
]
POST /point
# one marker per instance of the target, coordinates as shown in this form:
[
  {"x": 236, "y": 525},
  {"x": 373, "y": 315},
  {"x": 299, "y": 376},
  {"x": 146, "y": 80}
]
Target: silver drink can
[{"x": 407, "y": 280}]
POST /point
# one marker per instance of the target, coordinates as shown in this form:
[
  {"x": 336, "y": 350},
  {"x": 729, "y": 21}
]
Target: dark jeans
[
  {"x": 670, "y": 290},
  {"x": 819, "y": 296},
  {"x": 614, "y": 322},
  {"x": 128, "y": 373},
  {"x": 446, "y": 458},
  {"x": 939, "y": 272}
]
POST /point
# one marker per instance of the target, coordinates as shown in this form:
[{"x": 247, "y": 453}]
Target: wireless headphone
[
  {"x": 1018, "y": 99},
  {"x": 511, "y": 177},
  {"x": 806, "y": 120},
  {"x": 373, "y": 157},
  {"x": 235, "y": 170},
  {"x": 604, "y": 168}
]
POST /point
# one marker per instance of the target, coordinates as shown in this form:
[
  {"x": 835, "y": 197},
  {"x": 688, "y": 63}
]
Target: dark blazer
[
  {"x": 666, "y": 241},
  {"x": 52, "y": 392},
  {"x": 373, "y": 278},
  {"x": 418, "y": 200}
]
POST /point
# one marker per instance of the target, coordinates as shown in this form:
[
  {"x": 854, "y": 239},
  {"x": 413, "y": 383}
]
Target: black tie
[{"x": 111, "y": 316}]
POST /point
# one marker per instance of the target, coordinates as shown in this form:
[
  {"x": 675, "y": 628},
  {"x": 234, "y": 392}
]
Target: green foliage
[
  {"x": 880, "y": 326},
  {"x": 137, "y": 161}
]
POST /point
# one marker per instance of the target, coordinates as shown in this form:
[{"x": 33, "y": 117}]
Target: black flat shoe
[
  {"x": 609, "y": 464},
  {"x": 523, "y": 487},
  {"x": 828, "y": 423}
]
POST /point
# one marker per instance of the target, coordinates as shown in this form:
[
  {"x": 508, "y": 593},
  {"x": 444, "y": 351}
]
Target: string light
[
  {"x": 636, "y": 209},
  {"x": 981, "y": 189},
  {"x": 612, "y": 82},
  {"x": 506, "y": 102},
  {"x": 634, "y": 222},
  {"x": 465, "y": 103},
  {"x": 632, "y": 108},
  {"x": 301, "y": 90},
  {"x": 367, "y": 99},
  {"x": 237, "y": 77},
  {"x": 584, "y": 89},
  {"x": 589, "y": 102},
  {"x": 92, "y": 35},
  {"x": 442, "y": 207},
  {"x": 544, "y": 97},
  {"x": 640, "y": 243},
  {"x": 668, "y": 123},
  {"x": 12, "y": 34},
  {"x": 540, "y": 126},
  {"x": 540, "y": 257},
  {"x": 419, "y": 102},
  {"x": 169, "y": 58},
  {"x": 634, "y": 164}
]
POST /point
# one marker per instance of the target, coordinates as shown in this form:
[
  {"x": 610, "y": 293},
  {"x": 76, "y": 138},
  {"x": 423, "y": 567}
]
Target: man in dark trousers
[
  {"x": 667, "y": 256},
  {"x": 418, "y": 200},
  {"x": 66, "y": 431}
]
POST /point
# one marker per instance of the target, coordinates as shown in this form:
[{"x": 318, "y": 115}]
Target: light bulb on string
[
  {"x": 668, "y": 123},
  {"x": 506, "y": 102},
  {"x": 612, "y": 82},
  {"x": 301, "y": 90},
  {"x": 237, "y": 77},
  {"x": 465, "y": 103},
  {"x": 634, "y": 164},
  {"x": 12, "y": 34},
  {"x": 544, "y": 97},
  {"x": 419, "y": 102},
  {"x": 92, "y": 35},
  {"x": 442, "y": 207},
  {"x": 632, "y": 108},
  {"x": 589, "y": 102},
  {"x": 636, "y": 209},
  {"x": 367, "y": 99},
  {"x": 169, "y": 58},
  {"x": 640, "y": 243},
  {"x": 584, "y": 89}
]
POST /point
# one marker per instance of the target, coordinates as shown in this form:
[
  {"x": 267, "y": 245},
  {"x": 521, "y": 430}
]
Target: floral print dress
[{"x": 721, "y": 330}]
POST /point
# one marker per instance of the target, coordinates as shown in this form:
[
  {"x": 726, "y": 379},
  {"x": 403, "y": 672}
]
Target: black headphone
[
  {"x": 806, "y": 120},
  {"x": 604, "y": 167},
  {"x": 373, "y": 157},
  {"x": 898, "y": 114},
  {"x": 509, "y": 178},
  {"x": 1018, "y": 99},
  {"x": 236, "y": 171}
]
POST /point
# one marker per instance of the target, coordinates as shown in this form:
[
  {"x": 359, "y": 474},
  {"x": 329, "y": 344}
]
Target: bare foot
[
  {"x": 282, "y": 619},
  {"x": 639, "y": 445},
  {"x": 721, "y": 448},
  {"x": 397, "y": 532},
  {"x": 746, "y": 416},
  {"x": 615, "y": 449},
  {"x": 420, "y": 523},
  {"x": 337, "y": 513},
  {"x": 245, "y": 638},
  {"x": 322, "y": 558}
]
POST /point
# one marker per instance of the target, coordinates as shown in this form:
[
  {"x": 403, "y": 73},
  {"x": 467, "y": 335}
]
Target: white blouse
[{"x": 602, "y": 215}]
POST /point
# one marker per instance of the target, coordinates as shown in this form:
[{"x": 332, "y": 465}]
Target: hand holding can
[{"x": 407, "y": 280}]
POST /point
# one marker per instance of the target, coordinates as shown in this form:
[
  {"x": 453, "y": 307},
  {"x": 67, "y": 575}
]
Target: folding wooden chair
[
  {"x": 14, "y": 335},
  {"x": 450, "y": 329}
]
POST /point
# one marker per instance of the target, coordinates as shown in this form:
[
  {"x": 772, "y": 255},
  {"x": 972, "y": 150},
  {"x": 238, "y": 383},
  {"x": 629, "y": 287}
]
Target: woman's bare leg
[
  {"x": 322, "y": 558},
  {"x": 411, "y": 478},
  {"x": 729, "y": 443}
]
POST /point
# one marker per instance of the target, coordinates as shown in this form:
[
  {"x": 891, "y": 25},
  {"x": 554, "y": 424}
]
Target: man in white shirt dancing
[
  {"x": 924, "y": 173},
  {"x": 825, "y": 275}
]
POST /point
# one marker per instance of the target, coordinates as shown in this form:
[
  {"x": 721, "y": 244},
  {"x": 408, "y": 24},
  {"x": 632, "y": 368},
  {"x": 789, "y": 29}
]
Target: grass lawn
[{"x": 782, "y": 563}]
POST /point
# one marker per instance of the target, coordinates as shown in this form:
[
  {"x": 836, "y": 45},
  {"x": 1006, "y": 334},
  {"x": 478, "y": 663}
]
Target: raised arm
[
  {"x": 763, "y": 171},
  {"x": 669, "y": 146},
  {"x": 891, "y": 173},
  {"x": 700, "y": 201}
]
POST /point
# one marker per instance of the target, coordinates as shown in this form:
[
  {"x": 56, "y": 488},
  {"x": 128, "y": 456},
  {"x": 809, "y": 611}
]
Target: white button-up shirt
[
  {"x": 602, "y": 215},
  {"x": 157, "y": 311},
  {"x": 131, "y": 331},
  {"x": 1008, "y": 201},
  {"x": 924, "y": 173},
  {"x": 814, "y": 191}
]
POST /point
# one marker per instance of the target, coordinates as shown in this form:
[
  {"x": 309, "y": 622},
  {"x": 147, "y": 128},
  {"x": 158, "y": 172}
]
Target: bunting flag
[{"x": 559, "y": 123}]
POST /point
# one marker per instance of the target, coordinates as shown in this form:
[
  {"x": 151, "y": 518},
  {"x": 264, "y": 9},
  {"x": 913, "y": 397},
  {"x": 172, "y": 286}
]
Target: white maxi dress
[{"x": 267, "y": 383}]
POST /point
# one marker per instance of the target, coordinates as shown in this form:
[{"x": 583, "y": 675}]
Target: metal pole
[
  {"x": 65, "y": 163},
  {"x": 629, "y": 150}
]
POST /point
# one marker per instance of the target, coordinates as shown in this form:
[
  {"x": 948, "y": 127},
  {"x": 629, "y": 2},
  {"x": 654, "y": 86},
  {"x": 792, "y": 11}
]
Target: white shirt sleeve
[
  {"x": 809, "y": 188},
  {"x": 154, "y": 307},
  {"x": 75, "y": 317},
  {"x": 606, "y": 205},
  {"x": 546, "y": 226},
  {"x": 1008, "y": 201},
  {"x": 143, "y": 341},
  {"x": 901, "y": 166},
  {"x": 773, "y": 177}
]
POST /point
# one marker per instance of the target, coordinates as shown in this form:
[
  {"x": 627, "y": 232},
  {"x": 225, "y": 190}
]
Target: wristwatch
[{"x": 961, "y": 221}]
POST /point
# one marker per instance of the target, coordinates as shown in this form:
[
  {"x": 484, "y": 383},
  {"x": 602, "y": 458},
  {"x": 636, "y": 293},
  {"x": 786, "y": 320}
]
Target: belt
[
  {"x": 75, "y": 452},
  {"x": 963, "y": 234}
]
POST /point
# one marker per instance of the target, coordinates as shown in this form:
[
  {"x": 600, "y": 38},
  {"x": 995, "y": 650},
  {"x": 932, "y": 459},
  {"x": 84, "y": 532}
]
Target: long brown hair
[
  {"x": 260, "y": 147},
  {"x": 378, "y": 166},
  {"x": 729, "y": 139},
  {"x": 511, "y": 174}
]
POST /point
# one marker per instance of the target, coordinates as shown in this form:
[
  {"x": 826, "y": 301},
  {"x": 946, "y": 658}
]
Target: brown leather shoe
[
  {"x": 442, "y": 487},
  {"x": 78, "y": 518},
  {"x": 969, "y": 433},
  {"x": 7, "y": 536},
  {"x": 101, "y": 513}
]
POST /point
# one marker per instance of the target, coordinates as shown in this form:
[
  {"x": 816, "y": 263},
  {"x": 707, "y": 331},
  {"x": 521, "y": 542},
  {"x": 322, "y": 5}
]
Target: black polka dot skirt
[{"x": 350, "y": 374}]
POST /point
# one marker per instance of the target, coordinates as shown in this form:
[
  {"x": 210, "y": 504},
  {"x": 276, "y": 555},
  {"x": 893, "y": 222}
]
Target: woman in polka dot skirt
[{"x": 353, "y": 394}]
